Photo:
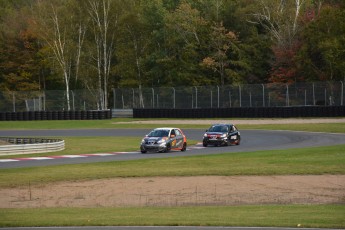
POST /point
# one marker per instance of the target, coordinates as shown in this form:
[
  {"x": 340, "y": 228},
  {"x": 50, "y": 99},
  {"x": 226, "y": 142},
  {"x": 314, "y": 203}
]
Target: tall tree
[
  {"x": 134, "y": 43},
  {"x": 222, "y": 44},
  {"x": 19, "y": 62},
  {"x": 63, "y": 33},
  {"x": 104, "y": 25},
  {"x": 187, "y": 33},
  {"x": 322, "y": 55}
]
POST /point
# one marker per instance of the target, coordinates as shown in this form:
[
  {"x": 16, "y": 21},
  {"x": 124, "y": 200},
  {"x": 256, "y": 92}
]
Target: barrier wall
[
  {"x": 55, "y": 115},
  {"x": 24, "y": 145},
  {"x": 250, "y": 112}
]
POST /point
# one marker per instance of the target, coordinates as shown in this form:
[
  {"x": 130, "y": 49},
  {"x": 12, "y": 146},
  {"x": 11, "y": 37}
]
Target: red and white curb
[
  {"x": 76, "y": 156},
  {"x": 63, "y": 156}
]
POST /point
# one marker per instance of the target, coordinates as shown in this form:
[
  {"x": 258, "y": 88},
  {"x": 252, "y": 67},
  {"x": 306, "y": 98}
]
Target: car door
[
  {"x": 233, "y": 133},
  {"x": 179, "y": 139},
  {"x": 173, "y": 138}
]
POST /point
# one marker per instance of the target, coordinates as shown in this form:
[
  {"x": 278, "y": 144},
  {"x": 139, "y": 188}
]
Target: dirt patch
[{"x": 180, "y": 191}]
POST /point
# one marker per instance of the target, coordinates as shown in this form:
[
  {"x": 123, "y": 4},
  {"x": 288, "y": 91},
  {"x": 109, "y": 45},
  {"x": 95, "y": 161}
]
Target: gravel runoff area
[{"x": 180, "y": 191}]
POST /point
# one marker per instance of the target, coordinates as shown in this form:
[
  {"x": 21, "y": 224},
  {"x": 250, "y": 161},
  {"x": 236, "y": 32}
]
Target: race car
[
  {"x": 164, "y": 140},
  {"x": 222, "y": 134}
]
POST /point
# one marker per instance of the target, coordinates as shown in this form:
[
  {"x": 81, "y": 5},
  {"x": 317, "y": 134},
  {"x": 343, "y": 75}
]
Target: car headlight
[
  {"x": 143, "y": 141},
  {"x": 205, "y": 135},
  {"x": 161, "y": 141},
  {"x": 223, "y": 135}
]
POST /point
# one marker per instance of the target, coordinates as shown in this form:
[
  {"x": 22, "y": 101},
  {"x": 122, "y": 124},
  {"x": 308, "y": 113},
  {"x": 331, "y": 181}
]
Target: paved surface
[{"x": 252, "y": 140}]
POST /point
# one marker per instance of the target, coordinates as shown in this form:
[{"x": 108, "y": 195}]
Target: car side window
[
  {"x": 172, "y": 132},
  {"x": 177, "y": 132}
]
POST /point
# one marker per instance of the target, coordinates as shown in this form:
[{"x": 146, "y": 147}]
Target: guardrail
[{"x": 20, "y": 145}]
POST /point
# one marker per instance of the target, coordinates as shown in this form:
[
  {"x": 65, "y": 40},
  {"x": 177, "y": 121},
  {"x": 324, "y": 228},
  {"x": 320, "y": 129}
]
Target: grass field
[
  {"x": 118, "y": 123},
  {"x": 305, "y": 216},
  {"x": 307, "y": 161}
]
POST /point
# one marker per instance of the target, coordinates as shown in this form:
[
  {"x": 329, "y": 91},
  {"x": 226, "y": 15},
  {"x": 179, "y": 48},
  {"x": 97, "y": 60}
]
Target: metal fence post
[
  {"x": 342, "y": 93},
  {"x": 157, "y": 103},
  {"x": 196, "y": 97},
  {"x": 174, "y": 99},
  {"x": 211, "y": 98},
  {"x": 14, "y": 101},
  {"x": 218, "y": 95},
  {"x": 114, "y": 97},
  {"x": 230, "y": 98},
  {"x": 153, "y": 98},
  {"x": 287, "y": 96},
  {"x": 263, "y": 95},
  {"x": 325, "y": 96},
  {"x": 133, "y": 102},
  {"x": 313, "y": 94},
  {"x": 44, "y": 100},
  {"x": 239, "y": 89}
]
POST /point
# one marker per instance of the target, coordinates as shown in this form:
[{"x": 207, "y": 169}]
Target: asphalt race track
[{"x": 252, "y": 140}]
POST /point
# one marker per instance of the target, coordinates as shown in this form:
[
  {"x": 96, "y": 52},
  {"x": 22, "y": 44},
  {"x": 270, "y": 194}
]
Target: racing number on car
[{"x": 173, "y": 143}]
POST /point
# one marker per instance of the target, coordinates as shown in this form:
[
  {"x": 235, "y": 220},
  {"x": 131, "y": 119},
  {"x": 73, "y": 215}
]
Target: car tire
[
  {"x": 143, "y": 151},
  {"x": 184, "y": 147},
  {"x": 238, "y": 140},
  {"x": 168, "y": 148},
  {"x": 228, "y": 143},
  {"x": 204, "y": 144}
]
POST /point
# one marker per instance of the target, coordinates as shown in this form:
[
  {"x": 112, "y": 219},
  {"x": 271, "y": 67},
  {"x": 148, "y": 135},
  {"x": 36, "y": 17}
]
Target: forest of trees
[{"x": 105, "y": 44}]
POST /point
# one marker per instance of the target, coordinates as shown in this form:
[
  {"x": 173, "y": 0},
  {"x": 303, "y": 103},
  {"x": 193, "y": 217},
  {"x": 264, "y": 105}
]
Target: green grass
[
  {"x": 307, "y": 216},
  {"x": 117, "y": 123},
  {"x": 306, "y": 161}
]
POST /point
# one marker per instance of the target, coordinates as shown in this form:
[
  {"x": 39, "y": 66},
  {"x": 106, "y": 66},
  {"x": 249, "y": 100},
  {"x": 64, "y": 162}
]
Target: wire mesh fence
[
  {"x": 50, "y": 100},
  {"x": 254, "y": 95},
  {"x": 228, "y": 96}
]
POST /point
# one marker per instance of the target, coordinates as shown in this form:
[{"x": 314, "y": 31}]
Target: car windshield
[
  {"x": 219, "y": 128},
  {"x": 159, "y": 133}
]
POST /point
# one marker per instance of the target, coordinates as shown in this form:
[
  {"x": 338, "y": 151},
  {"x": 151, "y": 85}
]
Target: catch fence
[
  {"x": 195, "y": 97},
  {"x": 230, "y": 96}
]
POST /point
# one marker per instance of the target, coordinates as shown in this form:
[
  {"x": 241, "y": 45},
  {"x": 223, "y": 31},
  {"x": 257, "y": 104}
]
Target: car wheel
[
  {"x": 143, "y": 151},
  {"x": 184, "y": 147},
  {"x": 204, "y": 144},
  {"x": 168, "y": 148},
  {"x": 238, "y": 140}
]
